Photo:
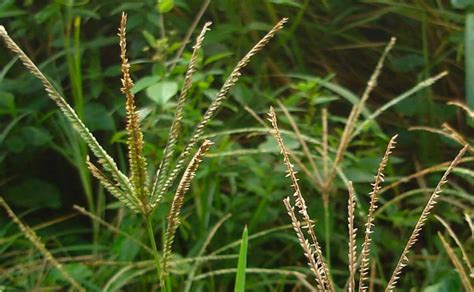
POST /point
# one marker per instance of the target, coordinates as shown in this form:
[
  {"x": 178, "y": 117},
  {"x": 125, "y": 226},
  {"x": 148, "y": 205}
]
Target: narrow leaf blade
[{"x": 242, "y": 263}]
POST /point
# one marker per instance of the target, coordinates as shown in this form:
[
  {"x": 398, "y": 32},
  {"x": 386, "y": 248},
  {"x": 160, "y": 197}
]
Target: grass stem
[{"x": 156, "y": 256}]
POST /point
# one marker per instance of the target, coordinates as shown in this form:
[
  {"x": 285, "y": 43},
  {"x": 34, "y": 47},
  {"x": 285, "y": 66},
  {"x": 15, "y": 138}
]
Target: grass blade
[
  {"x": 242, "y": 263},
  {"x": 469, "y": 47}
]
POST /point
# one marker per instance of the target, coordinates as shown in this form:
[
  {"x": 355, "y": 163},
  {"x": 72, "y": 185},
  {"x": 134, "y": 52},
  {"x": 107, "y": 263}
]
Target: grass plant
[
  {"x": 313, "y": 76},
  {"x": 304, "y": 225},
  {"x": 134, "y": 190}
]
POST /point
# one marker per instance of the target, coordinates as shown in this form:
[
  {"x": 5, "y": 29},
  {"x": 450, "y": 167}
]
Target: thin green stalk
[
  {"x": 73, "y": 58},
  {"x": 469, "y": 63},
  {"x": 156, "y": 256},
  {"x": 77, "y": 62},
  {"x": 168, "y": 283},
  {"x": 327, "y": 234}
]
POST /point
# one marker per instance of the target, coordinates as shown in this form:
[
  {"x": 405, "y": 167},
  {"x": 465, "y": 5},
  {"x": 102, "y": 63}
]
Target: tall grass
[
  {"x": 304, "y": 226},
  {"x": 135, "y": 190}
]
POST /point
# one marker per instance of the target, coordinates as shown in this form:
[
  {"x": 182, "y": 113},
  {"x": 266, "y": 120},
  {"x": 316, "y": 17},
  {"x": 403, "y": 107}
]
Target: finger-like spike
[
  {"x": 137, "y": 162},
  {"x": 212, "y": 109},
  {"x": 183, "y": 187},
  {"x": 365, "y": 252},
  {"x": 323, "y": 278},
  {"x": 421, "y": 221}
]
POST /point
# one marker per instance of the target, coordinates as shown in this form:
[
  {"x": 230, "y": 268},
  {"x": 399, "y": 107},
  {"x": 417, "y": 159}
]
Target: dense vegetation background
[{"x": 322, "y": 59}]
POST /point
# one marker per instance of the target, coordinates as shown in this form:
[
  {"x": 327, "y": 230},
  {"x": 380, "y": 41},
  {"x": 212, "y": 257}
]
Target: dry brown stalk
[
  {"x": 255, "y": 116},
  {"x": 352, "y": 254},
  {"x": 453, "y": 235},
  {"x": 469, "y": 222},
  {"x": 455, "y": 134},
  {"x": 462, "y": 106},
  {"x": 303, "y": 143},
  {"x": 183, "y": 187},
  {"x": 365, "y": 253},
  {"x": 456, "y": 263},
  {"x": 320, "y": 269},
  {"x": 357, "y": 110},
  {"x": 372, "y": 277},
  {"x": 423, "y": 172},
  {"x": 403, "y": 260},
  {"x": 305, "y": 245},
  {"x": 446, "y": 131},
  {"x": 36, "y": 241},
  {"x": 292, "y": 155}
]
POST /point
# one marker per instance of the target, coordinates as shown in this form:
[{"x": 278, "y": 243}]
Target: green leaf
[
  {"x": 447, "y": 283},
  {"x": 469, "y": 59},
  {"x": 165, "y": 6},
  {"x": 36, "y": 136},
  {"x": 287, "y": 2},
  {"x": 144, "y": 83},
  {"x": 7, "y": 103},
  {"x": 97, "y": 117},
  {"x": 78, "y": 271},
  {"x": 408, "y": 63},
  {"x": 162, "y": 91},
  {"x": 151, "y": 40},
  {"x": 242, "y": 263},
  {"x": 15, "y": 143},
  {"x": 461, "y": 4},
  {"x": 270, "y": 143},
  {"x": 34, "y": 192}
]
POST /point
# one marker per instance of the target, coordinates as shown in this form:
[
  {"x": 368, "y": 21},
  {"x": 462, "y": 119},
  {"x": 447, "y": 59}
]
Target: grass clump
[
  {"x": 304, "y": 225},
  {"x": 137, "y": 191}
]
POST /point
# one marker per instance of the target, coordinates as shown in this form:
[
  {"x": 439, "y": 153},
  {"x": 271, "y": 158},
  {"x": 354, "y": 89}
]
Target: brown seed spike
[
  {"x": 319, "y": 268},
  {"x": 352, "y": 254},
  {"x": 365, "y": 253},
  {"x": 403, "y": 260},
  {"x": 138, "y": 173},
  {"x": 183, "y": 187}
]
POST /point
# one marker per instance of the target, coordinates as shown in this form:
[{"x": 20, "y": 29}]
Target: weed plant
[
  {"x": 322, "y": 38},
  {"x": 304, "y": 226},
  {"x": 136, "y": 191}
]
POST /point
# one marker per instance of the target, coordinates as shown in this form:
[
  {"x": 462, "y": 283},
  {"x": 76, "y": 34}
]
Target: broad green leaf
[
  {"x": 97, "y": 117},
  {"x": 36, "y": 136},
  {"x": 461, "y": 4},
  {"x": 144, "y": 83},
  {"x": 7, "y": 103},
  {"x": 162, "y": 91},
  {"x": 408, "y": 63},
  {"x": 34, "y": 192},
  {"x": 165, "y": 6},
  {"x": 270, "y": 143}
]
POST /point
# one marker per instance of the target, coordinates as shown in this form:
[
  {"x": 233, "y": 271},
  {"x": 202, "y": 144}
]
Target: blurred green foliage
[{"x": 322, "y": 59}]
